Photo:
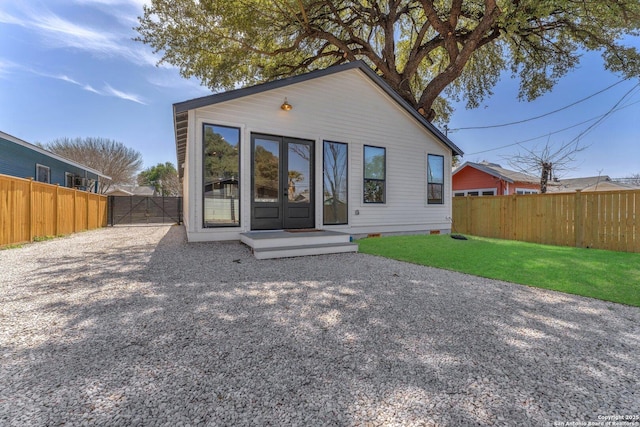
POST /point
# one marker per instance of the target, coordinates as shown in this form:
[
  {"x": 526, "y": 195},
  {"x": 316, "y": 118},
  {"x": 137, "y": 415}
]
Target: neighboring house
[
  {"x": 24, "y": 160},
  {"x": 131, "y": 190},
  {"x": 491, "y": 179},
  {"x": 335, "y": 149},
  {"x": 591, "y": 183}
]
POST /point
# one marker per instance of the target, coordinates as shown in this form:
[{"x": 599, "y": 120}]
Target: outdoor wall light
[{"x": 286, "y": 106}]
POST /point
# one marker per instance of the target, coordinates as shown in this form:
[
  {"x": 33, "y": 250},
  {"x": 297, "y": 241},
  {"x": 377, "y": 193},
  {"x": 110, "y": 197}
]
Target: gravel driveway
[{"x": 133, "y": 326}]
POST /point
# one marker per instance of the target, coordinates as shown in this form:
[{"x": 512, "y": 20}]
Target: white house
[{"x": 335, "y": 149}]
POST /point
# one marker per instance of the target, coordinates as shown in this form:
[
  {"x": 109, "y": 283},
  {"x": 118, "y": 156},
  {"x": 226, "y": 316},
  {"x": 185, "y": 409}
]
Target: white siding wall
[{"x": 343, "y": 107}]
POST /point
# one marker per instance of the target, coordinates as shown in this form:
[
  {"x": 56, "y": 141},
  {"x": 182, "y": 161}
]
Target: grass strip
[{"x": 606, "y": 275}]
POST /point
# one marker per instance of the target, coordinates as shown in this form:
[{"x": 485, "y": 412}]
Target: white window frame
[
  {"x": 66, "y": 179},
  {"x": 47, "y": 168},
  {"x": 526, "y": 191},
  {"x": 479, "y": 190}
]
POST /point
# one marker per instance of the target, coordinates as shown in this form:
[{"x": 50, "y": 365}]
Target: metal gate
[{"x": 144, "y": 210}]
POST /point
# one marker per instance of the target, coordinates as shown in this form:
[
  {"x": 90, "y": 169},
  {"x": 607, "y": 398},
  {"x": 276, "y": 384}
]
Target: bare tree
[
  {"x": 110, "y": 157},
  {"x": 633, "y": 179},
  {"x": 546, "y": 162}
]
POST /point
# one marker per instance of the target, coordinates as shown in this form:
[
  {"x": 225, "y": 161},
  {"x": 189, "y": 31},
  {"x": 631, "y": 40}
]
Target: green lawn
[{"x": 606, "y": 275}]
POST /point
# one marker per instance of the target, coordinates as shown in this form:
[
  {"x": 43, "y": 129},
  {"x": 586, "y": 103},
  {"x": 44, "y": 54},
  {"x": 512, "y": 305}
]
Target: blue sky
[{"x": 69, "y": 68}]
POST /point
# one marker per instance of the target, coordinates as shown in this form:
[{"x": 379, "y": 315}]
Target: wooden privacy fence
[
  {"x": 30, "y": 209},
  {"x": 603, "y": 220}
]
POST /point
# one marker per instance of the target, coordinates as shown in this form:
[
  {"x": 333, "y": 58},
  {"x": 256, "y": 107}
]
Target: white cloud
[
  {"x": 133, "y": 3},
  {"x": 6, "y": 67},
  {"x": 57, "y": 32},
  {"x": 89, "y": 88},
  {"x": 64, "y": 78},
  {"x": 67, "y": 79},
  {"x": 108, "y": 90},
  {"x": 125, "y": 11},
  {"x": 123, "y": 95},
  {"x": 172, "y": 80},
  {"x": 5, "y": 18}
]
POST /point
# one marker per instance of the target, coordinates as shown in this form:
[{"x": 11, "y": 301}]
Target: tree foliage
[
  {"x": 163, "y": 177},
  {"x": 420, "y": 48},
  {"x": 110, "y": 157},
  {"x": 267, "y": 173},
  {"x": 220, "y": 157}
]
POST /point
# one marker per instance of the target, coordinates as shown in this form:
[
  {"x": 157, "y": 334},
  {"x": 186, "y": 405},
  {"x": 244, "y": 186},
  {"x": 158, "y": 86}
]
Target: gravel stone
[{"x": 133, "y": 326}]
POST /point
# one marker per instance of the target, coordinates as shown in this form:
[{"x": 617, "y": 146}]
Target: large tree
[
  {"x": 163, "y": 177},
  {"x": 110, "y": 157},
  {"x": 421, "y": 48}
]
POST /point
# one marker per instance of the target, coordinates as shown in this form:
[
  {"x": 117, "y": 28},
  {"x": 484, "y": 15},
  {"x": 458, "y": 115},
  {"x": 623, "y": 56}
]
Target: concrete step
[
  {"x": 276, "y": 239},
  {"x": 304, "y": 250}
]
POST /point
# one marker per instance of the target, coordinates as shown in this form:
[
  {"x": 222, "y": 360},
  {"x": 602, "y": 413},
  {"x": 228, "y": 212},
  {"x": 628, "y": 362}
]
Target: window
[
  {"x": 526, "y": 191},
  {"x": 374, "y": 174},
  {"x": 435, "y": 179},
  {"x": 221, "y": 163},
  {"x": 334, "y": 192},
  {"x": 477, "y": 192},
  {"x": 43, "y": 174},
  {"x": 68, "y": 179}
]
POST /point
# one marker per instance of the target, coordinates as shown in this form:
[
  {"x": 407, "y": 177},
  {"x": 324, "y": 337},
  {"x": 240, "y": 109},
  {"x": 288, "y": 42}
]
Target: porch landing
[{"x": 284, "y": 244}]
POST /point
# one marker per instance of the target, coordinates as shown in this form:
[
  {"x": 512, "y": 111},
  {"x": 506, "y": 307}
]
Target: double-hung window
[
  {"x": 374, "y": 174},
  {"x": 435, "y": 179}
]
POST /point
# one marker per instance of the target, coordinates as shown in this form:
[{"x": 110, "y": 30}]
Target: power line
[
  {"x": 606, "y": 115},
  {"x": 540, "y": 116},
  {"x": 557, "y": 131}
]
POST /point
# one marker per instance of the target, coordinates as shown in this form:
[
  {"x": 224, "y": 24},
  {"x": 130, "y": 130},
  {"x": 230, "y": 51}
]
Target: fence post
[
  {"x": 514, "y": 216},
  {"x": 56, "y": 206},
  {"x": 31, "y": 209},
  {"x": 467, "y": 206},
  {"x": 578, "y": 220},
  {"x": 75, "y": 208},
  {"x": 110, "y": 210},
  {"x": 86, "y": 199}
]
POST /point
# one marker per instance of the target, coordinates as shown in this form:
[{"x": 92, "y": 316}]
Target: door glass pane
[
  {"x": 266, "y": 158},
  {"x": 221, "y": 174},
  {"x": 335, "y": 206},
  {"x": 299, "y": 173}
]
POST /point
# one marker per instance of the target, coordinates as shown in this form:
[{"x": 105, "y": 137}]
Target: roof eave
[{"x": 50, "y": 154}]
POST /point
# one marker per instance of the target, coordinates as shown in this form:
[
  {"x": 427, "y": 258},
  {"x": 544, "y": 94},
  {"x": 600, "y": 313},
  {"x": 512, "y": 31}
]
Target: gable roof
[
  {"x": 589, "y": 183},
  {"x": 181, "y": 109},
  {"x": 498, "y": 171},
  {"x": 48, "y": 153}
]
